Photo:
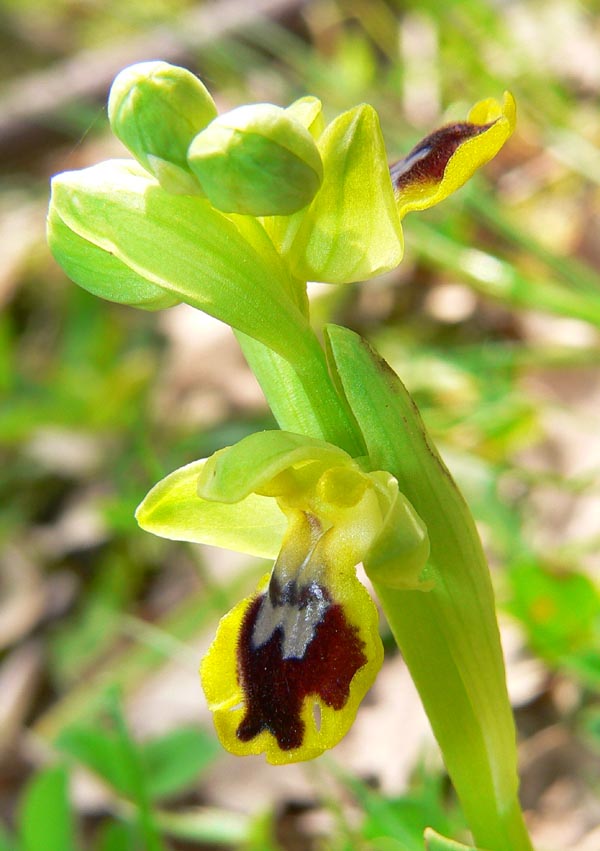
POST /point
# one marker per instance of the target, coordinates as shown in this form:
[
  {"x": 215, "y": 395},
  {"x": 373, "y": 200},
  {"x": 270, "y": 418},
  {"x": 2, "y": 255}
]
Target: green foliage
[
  {"x": 45, "y": 818},
  {"x": 404, "y": 819}
]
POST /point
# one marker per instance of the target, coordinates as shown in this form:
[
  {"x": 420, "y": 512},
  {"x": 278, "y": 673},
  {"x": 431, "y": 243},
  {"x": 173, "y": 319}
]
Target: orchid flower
[
  {"x": 233, "y": 214},
  {"x": 291, "y": 662}
]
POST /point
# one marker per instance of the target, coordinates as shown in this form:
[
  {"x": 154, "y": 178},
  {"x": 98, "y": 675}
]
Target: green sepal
[
  {"x": 400, "y": 552},
  {"x": 352, "y": 229},
  {"x": 258, "y": 160},
  {"x": 156, "y": 109},
  {"x": 100, "y": 272},
  {"x": 172, "y": 509},
  {"x": 436, "y": 842},
  {"x": 187, "y": 248},
  {"x": 250, "y": 465}
]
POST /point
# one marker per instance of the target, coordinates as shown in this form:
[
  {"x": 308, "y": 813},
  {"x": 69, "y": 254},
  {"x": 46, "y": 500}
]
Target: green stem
[
  {"x": 301, "y": 394},
  {"x": 449, "y": 634}
]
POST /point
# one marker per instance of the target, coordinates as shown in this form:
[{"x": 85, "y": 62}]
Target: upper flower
[
  {"x": 257, "y": 193},
  {"x": 442, "y": 162},
  {"x": 291, "y": 662}
]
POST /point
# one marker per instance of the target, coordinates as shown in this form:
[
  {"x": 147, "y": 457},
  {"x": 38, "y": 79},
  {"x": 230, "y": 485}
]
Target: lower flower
[{"x": 291, "y": 663}]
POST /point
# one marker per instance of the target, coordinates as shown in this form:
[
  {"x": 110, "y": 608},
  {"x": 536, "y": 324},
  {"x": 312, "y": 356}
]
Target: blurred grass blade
[
  {"x": 435, "y": 842},
  {"x": 6, "y": 842},
  {"x": 134, "y": 777},
  {"x": 210, "y": 826},
  {"x": 116, "y": 837},
  {"x": 491, "y": 276}
]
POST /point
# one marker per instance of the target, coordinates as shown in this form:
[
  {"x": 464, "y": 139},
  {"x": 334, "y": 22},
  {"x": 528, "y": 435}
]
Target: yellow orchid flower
[
  {"x": 442, "y": 162},
  {"x": 291, "y": 663}
]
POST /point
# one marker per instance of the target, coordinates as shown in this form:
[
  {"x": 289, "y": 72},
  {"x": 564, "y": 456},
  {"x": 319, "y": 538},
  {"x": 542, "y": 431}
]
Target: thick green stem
[{"x": 448, "y": 635}]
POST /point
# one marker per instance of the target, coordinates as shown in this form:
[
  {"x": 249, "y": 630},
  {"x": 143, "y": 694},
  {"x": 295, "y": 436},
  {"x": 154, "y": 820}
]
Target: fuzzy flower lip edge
[
  {"x": 290, "y": 663},
  {"x": 442, "y": 162}
]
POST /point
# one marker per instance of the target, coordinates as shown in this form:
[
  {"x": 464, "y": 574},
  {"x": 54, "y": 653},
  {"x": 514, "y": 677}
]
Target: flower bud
[
  {"x": 258, "y": 160},
  {"x": 156, "y": 109}
]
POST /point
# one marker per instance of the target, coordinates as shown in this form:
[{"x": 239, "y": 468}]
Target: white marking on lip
[
  {"x": 403, "y": 166},
  {"x": 297, "y": 622}
]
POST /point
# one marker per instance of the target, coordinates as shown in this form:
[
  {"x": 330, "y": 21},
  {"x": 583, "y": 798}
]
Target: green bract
[
  {"x": 156, "y": 109},
  {"x": 181, "y": 244},
  {"x": 449, "y": 636},
  {"x": 258, "y": 160},
  {"x": 101, "y": 273}
]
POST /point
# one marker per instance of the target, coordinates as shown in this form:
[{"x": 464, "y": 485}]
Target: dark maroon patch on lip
[
  {"x": 431, "y": 155},
  {"x": 274, "y": 688}
]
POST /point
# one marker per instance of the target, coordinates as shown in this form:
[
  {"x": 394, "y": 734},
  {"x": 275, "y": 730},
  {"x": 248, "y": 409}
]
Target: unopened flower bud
[
  {"x": 258, "y": 160},
  {"x": 156, "y": 109}
]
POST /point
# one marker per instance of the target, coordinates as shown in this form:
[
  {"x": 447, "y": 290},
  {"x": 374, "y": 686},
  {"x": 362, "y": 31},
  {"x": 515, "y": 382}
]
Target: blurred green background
[{"x": 492, "y": 321}]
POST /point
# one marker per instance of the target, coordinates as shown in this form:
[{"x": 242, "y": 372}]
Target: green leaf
[
  {"x": 205, "y": 825},
  {"x": 172, "y": 762},
  {"x": 133, "y": 769},
  {"x": 352, "y": 230},
  {"x": 449, "y": 635},
  {"x": 173, "y": 509},
  {"x": 116, "y": 837},
  {"x": 99, "y": 750},
  {"x": 45, "y": 818},
  {"x": 559, "y": 608}
]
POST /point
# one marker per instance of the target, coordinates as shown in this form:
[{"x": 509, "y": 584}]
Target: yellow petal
[{"x": 443, "y": 161}]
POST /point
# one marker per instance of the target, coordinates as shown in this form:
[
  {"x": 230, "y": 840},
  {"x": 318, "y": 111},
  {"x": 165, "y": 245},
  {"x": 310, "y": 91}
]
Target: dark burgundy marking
[
  {"x": 275, "y": 688},
  {"x": 436, "y": 149}
]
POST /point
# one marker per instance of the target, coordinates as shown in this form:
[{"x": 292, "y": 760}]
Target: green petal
[
  {"x": 232, "y": 473},
  {"x": 172, "y": 509},
  {"x": 186, "y": 247},
  {"x": 352, "y": 229},
  {"x": 400, "y": 552}
]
